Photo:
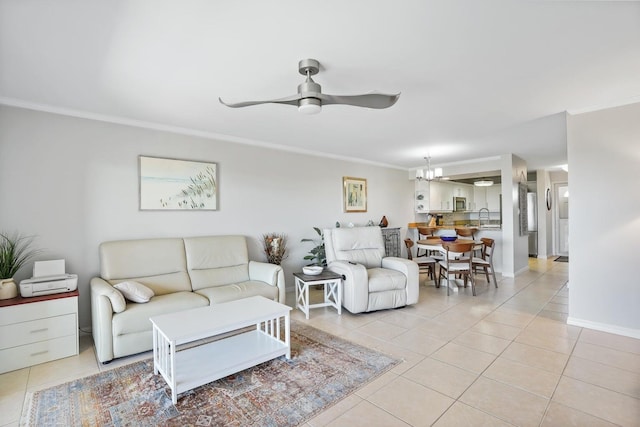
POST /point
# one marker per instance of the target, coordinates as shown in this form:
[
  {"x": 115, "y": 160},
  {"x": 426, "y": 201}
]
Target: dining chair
[
  {"x": 465, "y": 232},
  {"x": 468, "y": 233},
  {"x": 423, "y": 233},
  {"x": 457, "y": 260},
  {"x": 485, "y": 261},
  {"x": 425, "y": 264}
]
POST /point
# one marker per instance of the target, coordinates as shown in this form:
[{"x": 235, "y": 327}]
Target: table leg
[
  {"x": 302, "y": 296},
  {"x": 287, "y": 334}
]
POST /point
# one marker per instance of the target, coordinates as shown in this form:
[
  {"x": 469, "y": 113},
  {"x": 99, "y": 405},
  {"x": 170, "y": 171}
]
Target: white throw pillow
[{"x": 134, "y": 291}]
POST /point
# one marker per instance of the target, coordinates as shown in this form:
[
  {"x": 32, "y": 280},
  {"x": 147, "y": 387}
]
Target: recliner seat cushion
[{"x": 383, "y": 279}]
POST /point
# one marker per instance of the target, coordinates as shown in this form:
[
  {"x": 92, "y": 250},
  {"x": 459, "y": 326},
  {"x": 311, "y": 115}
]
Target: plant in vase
[
  {"x": 317, "y": 253},
  {"x": 275, "y": 247},
  {"x": 15, "y": 252}
]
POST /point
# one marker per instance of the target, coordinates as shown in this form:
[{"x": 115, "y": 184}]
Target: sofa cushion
[
  {"x": 134, "y": 291},
  {"x": 136, "y": 317},
  {"x": 383, "y": 279},
  {"x": 216, "y": 260},
  {"x": 218, "y": 294},
  {"x": 159, "y": 264}
]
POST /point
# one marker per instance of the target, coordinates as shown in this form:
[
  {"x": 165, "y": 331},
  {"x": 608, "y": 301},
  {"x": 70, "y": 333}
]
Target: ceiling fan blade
[
  {"x": 368, "y": 100},
  {"x": 290, "y": 100}
]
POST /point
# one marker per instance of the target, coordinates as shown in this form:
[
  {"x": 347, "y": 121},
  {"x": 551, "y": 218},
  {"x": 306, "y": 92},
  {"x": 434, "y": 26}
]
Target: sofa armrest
[
  {"x": 355, "y": 285},
  {"x": 271, "y": 274},
  {"x": 105, "y": 300},
  {"x": 408, "y": 268}
]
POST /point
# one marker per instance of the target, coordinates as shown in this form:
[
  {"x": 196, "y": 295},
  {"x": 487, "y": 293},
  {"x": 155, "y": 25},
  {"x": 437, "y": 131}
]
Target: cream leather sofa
[
  {"x": 183, "y": 273},
  {"x": 371, "y": 281}
]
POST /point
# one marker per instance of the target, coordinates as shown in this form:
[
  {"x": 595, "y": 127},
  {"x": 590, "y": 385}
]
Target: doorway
[{"x": 561, "y": 216}]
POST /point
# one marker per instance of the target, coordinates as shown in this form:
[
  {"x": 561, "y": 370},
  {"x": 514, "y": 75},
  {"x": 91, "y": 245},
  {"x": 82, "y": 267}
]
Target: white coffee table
[{"x": 188, "y": 368}]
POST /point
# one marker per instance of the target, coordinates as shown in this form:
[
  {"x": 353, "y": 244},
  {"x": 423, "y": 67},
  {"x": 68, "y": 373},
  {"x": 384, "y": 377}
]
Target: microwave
[{"x": 459, "y": 204}]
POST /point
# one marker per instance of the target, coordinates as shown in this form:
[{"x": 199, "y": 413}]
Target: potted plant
[
  {"x": 15, "y": 252},
  {"x": 317, "y": 253}
]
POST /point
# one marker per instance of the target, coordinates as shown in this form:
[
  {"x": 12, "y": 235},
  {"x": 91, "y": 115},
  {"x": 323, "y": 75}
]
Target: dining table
[{"x": 435, "y": 243}]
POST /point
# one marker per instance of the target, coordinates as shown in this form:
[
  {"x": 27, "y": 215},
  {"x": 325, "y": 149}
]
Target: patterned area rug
[
  {"x": 562, "y": 259},
  {"x": 323, "y": 370}
]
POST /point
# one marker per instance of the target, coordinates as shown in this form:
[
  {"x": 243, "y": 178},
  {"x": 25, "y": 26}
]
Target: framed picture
[
  {"x": 522, "y": 205},
  {"x": 354, "y": 194},
  {"x": 171, "y": 184}
]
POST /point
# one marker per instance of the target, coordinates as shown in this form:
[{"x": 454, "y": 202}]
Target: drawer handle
[
  {"x": 39, "y": 330},
  {"x": 39, "y": 353}
]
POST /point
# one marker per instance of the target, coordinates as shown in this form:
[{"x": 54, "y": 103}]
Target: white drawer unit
[{"x": 37, "y": 330}]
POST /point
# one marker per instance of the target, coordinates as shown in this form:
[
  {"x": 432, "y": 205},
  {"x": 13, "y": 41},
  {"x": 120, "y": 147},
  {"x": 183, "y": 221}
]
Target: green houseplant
[
  {"x": 317, "y": 253},
  {"x": 15, "y": 252}
]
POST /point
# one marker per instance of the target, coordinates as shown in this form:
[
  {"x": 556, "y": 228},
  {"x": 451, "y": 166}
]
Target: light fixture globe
[
  {"x": 428, "y": 174},
  {"x": 309, "y": 106},
  {"x": 483, "y": 183}
]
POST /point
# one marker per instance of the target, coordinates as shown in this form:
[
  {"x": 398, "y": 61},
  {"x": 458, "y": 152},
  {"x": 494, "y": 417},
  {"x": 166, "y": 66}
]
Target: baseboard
[
  {"x": 604, "y": 327},
  {"x": 522, "y": 270}
]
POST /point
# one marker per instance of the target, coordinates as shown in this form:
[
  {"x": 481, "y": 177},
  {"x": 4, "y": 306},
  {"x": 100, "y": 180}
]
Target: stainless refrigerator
[{"x": 532, "y": 224}]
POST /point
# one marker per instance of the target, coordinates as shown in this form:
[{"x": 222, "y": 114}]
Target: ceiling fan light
[
  {"x": 309, "y": 106},
  {"x": 483, "y": 183}
]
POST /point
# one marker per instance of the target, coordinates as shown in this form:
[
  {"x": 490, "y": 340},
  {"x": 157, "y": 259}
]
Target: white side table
[
  {"x": 332, "y": 286},
  {"x": 37, "y": 329}
]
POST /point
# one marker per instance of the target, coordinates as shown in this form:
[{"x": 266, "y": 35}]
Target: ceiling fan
[{"x": 310, "y": 98}]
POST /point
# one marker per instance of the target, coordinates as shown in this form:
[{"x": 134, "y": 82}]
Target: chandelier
[{"x": 428, "y": 174}]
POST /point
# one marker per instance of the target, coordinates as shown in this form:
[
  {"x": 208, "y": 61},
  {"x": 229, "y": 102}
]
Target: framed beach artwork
[
  {"x": 354, "y": 194},
  {"x": 171, "y": 184}
]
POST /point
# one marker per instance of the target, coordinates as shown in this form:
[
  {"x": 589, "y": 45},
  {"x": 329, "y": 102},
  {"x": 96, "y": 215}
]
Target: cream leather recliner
[{"x": 371, "y": 281}]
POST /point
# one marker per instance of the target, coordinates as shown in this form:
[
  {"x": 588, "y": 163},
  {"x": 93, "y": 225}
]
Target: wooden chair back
[
  {"x": 488, "y": 245},
  {"x": 425, "y": 231},
  {"x": 409, "y": 244},
  {"x": 465, "y": 232}
]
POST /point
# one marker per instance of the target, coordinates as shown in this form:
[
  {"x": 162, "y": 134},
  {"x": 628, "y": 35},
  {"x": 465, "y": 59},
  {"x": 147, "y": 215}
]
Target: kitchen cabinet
[
  {"x": 421, "y": 201},
  {"x": 480, "y": 198},
  {"x": 493, "y": 198},
  {"x": 441, "y": 196}
]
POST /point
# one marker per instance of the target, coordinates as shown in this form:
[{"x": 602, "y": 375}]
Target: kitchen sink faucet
[{"x": 488, "y": 218}]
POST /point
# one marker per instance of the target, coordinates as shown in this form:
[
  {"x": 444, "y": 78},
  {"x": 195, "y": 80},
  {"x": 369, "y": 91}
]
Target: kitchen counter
[{"x": 453, "y": 227}]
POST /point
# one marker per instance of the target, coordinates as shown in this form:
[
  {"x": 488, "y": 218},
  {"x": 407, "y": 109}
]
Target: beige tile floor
[{"x": 503, "y": 358}]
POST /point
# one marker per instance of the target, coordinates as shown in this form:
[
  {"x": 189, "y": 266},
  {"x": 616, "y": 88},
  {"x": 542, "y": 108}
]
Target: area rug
[
  {"x": 562, "y": 259},
  {"x": 323, "y": 370}
]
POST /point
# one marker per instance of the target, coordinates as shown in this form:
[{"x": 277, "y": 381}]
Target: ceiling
[{"x": 478, "y": 79}]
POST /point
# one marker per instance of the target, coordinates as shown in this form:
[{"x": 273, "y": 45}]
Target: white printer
[{"x": 49, "y": 277}]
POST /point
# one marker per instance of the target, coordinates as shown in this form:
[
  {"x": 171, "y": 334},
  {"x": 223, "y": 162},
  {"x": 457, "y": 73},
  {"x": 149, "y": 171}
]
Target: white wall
[
  {"x": 74, "y": 183},
  {"x": 604, "y": 217},
  {"x": 515, "y": 256},
  {"x": 544, "y": 216}
]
